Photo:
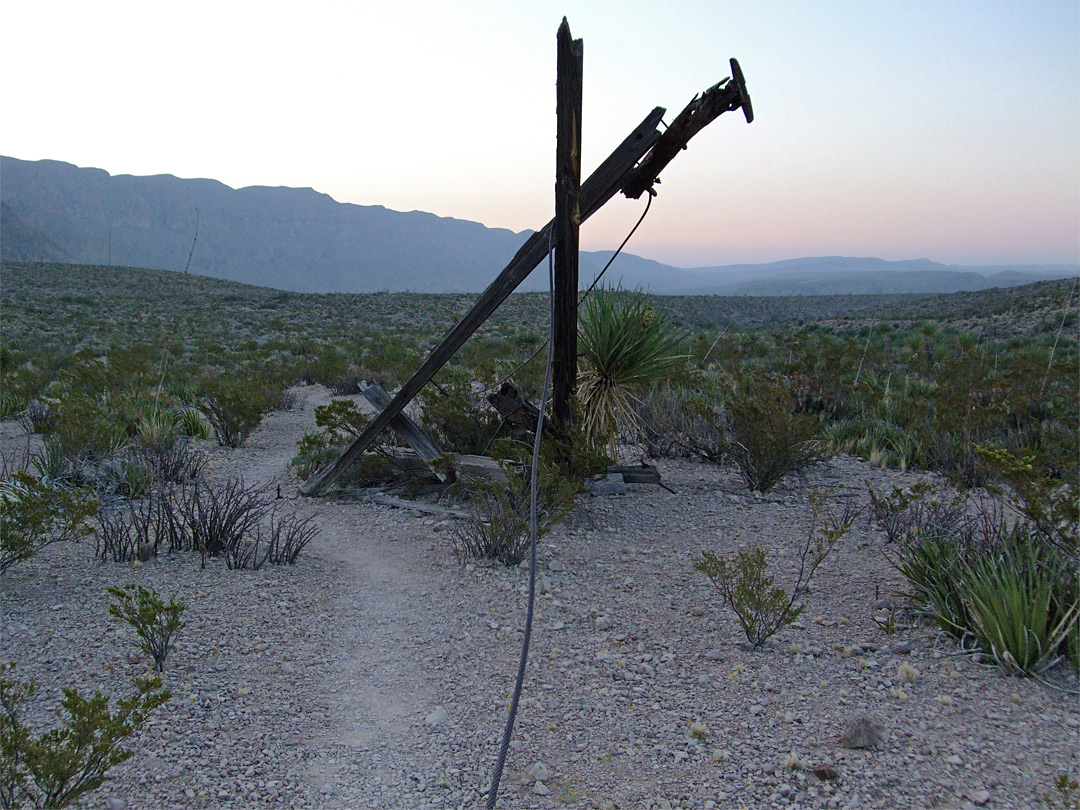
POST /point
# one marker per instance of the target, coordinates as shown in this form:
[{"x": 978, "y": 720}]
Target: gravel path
[{"x": 375, "y": 672}]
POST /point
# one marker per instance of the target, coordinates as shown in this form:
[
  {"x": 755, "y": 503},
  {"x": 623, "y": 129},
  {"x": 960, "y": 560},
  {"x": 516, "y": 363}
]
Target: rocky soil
[{"x": 375, "y": 673}]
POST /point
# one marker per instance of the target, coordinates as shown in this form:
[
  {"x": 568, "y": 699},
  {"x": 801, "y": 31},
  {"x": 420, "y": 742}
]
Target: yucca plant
[
  {"x": 191, "y": 422},
  {"x": 624, "y": 343},
  {"x": 1016, "y": 607}
]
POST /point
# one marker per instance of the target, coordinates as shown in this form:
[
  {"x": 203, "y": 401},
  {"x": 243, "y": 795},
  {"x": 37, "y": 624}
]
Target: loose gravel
[{"x": 376, "y": 672}]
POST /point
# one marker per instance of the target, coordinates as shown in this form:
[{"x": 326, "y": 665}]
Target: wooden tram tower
[{"x": 632, "y": 169}]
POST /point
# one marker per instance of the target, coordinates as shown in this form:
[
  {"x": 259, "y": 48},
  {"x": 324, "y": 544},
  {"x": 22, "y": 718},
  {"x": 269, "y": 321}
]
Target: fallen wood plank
[
  {"x": 636, "y": 473},
  {"x": 405, "y": 427},
  {"x": 464, "y": 466},
  {"x": 419, "y": 506}
]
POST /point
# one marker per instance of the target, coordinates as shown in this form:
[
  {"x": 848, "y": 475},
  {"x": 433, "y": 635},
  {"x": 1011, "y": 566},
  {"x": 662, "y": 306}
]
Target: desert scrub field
[{"x": 122, "y": 390}]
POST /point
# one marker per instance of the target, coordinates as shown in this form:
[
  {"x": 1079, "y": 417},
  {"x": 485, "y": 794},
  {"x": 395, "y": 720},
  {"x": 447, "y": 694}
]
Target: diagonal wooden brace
[
  {"x": 730, "y": 94},
  {"x": 602, "y": 185}
]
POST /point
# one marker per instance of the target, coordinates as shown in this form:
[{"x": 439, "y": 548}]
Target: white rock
[{"x": 539, "y": 772}]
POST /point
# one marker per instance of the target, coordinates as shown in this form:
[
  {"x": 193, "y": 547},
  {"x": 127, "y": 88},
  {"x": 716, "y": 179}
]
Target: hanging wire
[
  {"x": 531, "y": 357},
  {"x": 496, "y": 776}
]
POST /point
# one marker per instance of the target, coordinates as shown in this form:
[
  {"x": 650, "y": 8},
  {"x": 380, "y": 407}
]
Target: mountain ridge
[{"x": 302, "y": 240}]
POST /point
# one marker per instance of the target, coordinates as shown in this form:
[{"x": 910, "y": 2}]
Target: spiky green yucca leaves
[
  {"x": 1020, "y": 612},
  {"x": 623, "y": 343}
]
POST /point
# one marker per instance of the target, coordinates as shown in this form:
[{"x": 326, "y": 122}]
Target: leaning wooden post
[
  {"x": 603, "y": 184},
  {"x": 567, "y": 222}
]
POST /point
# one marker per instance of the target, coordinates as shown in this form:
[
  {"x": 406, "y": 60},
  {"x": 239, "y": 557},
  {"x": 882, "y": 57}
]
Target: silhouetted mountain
[{"x": 301, "y": 240}]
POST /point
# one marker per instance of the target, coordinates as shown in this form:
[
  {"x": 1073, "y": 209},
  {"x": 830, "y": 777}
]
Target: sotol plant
[
  {"x": 625, "y": 344},
  {"x": 156, "y": 622}
]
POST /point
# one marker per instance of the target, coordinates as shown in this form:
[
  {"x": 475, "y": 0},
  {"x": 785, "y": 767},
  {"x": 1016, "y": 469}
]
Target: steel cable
[{"x": 496, "y": 777}]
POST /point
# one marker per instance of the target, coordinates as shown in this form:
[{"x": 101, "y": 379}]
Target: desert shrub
[
  {"x": 235, "y": 402},
  {"x": 1051, "y": 506},
  {"x": 175, "y": 463},
  {"x": 35, "y": 513},
  {"x": 38, "y": 417},
  {"x": 624, "y": 344},
  {"x": 766, "y": 438},
  {"x": 86, "y": 428},
  {"x": 499, "y": 526},
  {"x": 278, "y": 543},
  {"x": 342, "y": 418},
  {"x": 918, "y": 511},
  {"x": 219, "y": 517},
  {"x": 53, "y": 769},
  {"x": 456, "y": 416},
  {"x": 762, "y": 607},
  {"x": 238, "y": 523},
  {"x": 135, "y": 529},
  {"x": 155, "y": 622},
  {"x": 999, "y": 583},
  {"x": 678, "y": 420},
  {"x": 341, "y": 421}
]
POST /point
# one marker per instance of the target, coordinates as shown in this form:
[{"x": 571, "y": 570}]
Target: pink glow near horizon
[{"x": 923, "y": 129}]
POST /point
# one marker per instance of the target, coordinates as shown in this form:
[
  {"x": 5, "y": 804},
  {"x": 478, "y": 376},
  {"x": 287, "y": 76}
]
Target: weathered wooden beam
[
  {"x": 464, "y": 466},
  {"x": 601, "y": 186},
  {"x": 405, "y": 427},
  {"x": 702, "y": 110},
  {"x": 636, "y": 473},
  {"x": 418, "y": 506},
  {"x": 567, "y": 223}
]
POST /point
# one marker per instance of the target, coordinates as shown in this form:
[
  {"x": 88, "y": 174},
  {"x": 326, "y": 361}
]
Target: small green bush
[
  {"x": 457, "y": 417},
  {"x": 235, "y": 404},
  {"x": 34, "y": 514},
  {"x": 55, "y": 768},
  {"x": 156, "y": 622},
  {"x": 767, "y": 439},
  {"x": 341, "y": 421},
  {"x": 499, "y": 527},
  {"x": 764, "y": 608}
]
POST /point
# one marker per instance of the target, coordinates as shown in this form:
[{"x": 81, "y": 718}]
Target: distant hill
[{"x": 304, "y": 241}]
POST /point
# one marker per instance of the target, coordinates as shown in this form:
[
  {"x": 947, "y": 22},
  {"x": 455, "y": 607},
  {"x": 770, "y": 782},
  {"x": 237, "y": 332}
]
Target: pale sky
[{"x": 944, "y": 130}]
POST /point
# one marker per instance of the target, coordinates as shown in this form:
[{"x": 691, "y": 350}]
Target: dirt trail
[{"x": 381, "y": 605}]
